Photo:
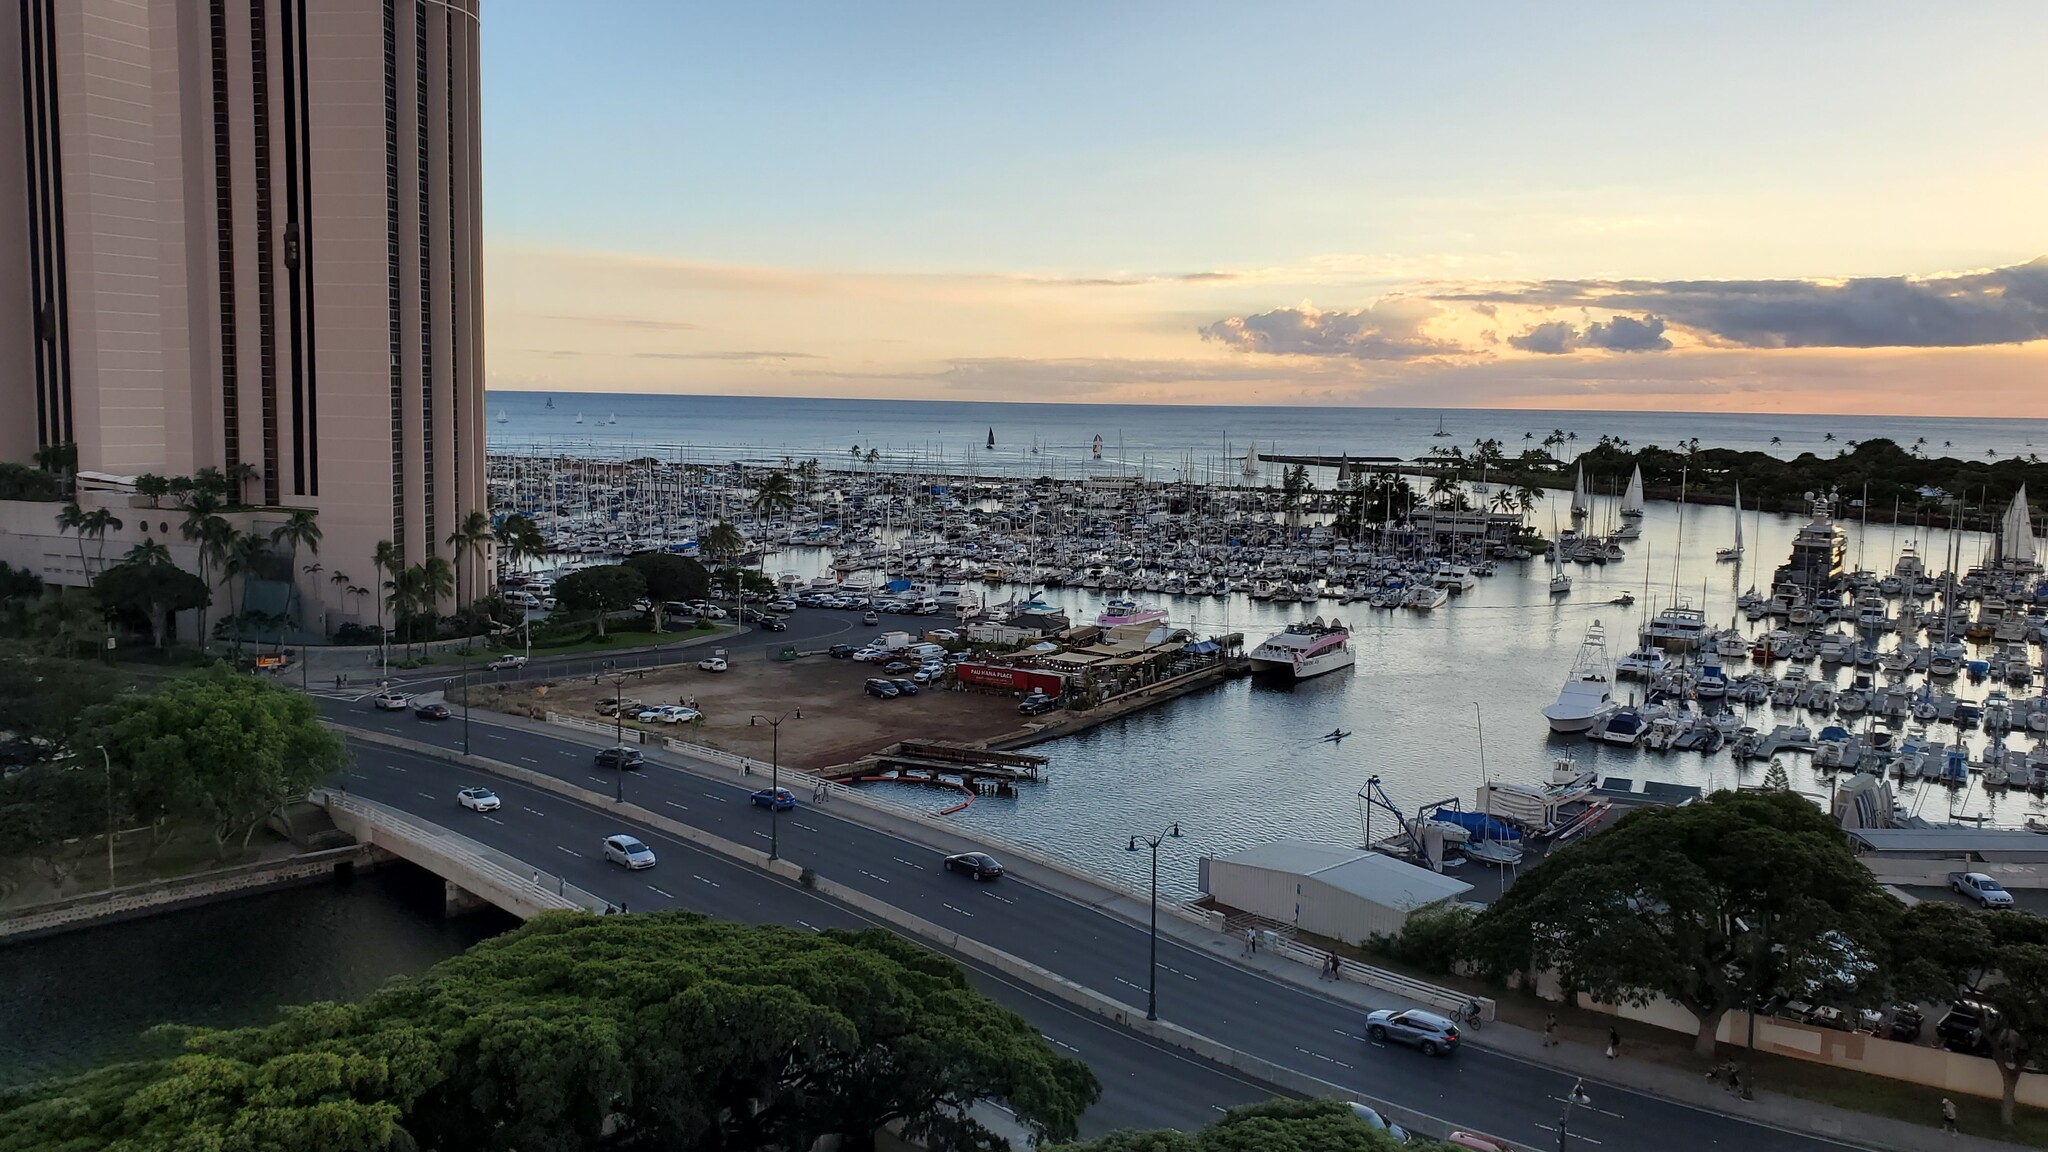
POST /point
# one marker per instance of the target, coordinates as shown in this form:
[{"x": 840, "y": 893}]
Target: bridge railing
[{"x": 543, "y": 890}]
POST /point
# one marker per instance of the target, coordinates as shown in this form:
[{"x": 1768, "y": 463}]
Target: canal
[{"x": 71, "y": 1001}]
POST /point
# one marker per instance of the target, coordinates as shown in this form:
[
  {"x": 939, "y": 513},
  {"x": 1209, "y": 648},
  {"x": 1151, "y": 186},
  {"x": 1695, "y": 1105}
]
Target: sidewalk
[{"x": 1677, "y": 1085}]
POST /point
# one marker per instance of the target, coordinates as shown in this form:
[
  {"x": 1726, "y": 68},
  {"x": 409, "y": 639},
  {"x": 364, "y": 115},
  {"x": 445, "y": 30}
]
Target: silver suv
[{"x": 1435, "y": 1035}]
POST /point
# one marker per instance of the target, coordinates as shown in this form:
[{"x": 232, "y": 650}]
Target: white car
[
  {"x": 479, "y": 800},
  {"x": 711, "y": 612},
  {"x": 667, "y": 714},
  {"x": 391, "y": 701},
  {"x": 712, "y": 664},
  {"x": 504, "y": 662},
  {"x": 628, "y": 851},
  {"x": 942, "y": 635}
]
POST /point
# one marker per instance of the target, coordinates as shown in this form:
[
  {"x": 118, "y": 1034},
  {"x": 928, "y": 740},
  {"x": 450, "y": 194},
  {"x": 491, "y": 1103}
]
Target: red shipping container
[{"x": 1011, "y": 678}]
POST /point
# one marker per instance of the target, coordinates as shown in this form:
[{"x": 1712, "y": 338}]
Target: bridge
[{"x": 475, "y": 874}]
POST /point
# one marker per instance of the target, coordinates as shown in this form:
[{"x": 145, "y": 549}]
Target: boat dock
[{"x": 942, "y": 763}]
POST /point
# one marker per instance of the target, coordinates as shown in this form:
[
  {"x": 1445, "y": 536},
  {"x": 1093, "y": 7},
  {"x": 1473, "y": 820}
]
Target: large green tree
[
  {"x": 1274, "y": 1126},
  {"x": 228, "y": 746},
  {"x": 147, "y": 585},
  {"x": 651, "y": 1031},
  {"x": 603, "y": 589},
  {"x": 670, "y": 577},
  {"x": 1941, "y": 950},
  {"x": 1740, "y": 896}
]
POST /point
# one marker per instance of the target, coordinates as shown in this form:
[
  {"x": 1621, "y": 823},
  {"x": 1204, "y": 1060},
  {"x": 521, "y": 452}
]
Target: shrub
[{"x": 1432, "y": 940}]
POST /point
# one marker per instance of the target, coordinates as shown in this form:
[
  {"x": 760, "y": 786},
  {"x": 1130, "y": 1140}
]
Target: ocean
[{"x": 1160, "y": 441}]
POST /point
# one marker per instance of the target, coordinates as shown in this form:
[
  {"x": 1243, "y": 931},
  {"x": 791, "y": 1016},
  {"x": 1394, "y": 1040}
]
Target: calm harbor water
[
  {"x": 1241, "y": 764},
  {"x": 71, "y": 1001}
]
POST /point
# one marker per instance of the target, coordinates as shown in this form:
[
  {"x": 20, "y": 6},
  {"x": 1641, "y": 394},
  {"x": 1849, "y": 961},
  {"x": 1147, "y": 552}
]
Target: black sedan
[
  {"x": 979, "y": 865},
  {"x": 431, "y": 711}
]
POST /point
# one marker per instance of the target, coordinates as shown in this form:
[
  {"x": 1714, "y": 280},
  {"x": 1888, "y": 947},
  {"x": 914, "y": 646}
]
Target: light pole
[
  {"x": 775, "y": 777},
  {"x": 1152, "y": 974},
  {"x": 107, "y": 762},
  {"x": 465, "y": 703},
  {"x": 617, "y": 676},
  {"x": 1576, "y": 1096}
]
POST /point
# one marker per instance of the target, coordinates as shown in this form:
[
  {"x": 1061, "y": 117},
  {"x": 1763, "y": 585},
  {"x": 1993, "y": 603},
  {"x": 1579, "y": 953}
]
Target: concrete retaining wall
[{"x": 163, "y": 895}]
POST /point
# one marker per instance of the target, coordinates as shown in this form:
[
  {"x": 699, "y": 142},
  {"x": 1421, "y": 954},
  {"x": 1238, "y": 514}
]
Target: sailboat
[
  {"x": 614, "y": 419},
  {"x": 1582, "y": 504},
  {"x": 502, "y": 418},
  {"x": 1098, "y": 446},
  {"x": 579, "y": 417},
  {"x": 1440, "y": 429},
  {"x": 991, "y": 436},
  {"x": 1735, "y": 552},
  {"x": 2016, "y": 550},
  {"x": 1251, "y": 461},
  {"x": 551, "y": 401},
  {"x": 1632, "y": 499}
]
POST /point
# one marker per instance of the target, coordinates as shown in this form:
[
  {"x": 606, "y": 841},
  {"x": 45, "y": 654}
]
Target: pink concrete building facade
[{"x": 247, "y": 232}]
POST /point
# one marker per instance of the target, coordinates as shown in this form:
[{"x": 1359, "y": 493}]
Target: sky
[{"x": 1809, "y": 207}]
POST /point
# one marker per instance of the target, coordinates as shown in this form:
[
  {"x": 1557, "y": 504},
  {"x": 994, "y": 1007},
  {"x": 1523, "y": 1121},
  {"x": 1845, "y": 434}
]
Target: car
[
  {"x": 898, "y": 667},
  {"x": 506, "y": 662},
  {"x": 1434, "y": 1035},
  {"x": 942, "y": 635},
  {"x": 1371, "y": 1116},
  {"x": 780, "y": 799},
  {"x": 750, "y": 615},
  {"x": 979, "y": 865},
  {"x": 435, "y": 711},
  {"x": 1965, "y": 1027},
  {"x": 906, "y": 687},
  {"x": 479, "y": 800},
  {"x": 391, "y": 701},
  {"x": 619, "y": 704},
  {"x": 1988, "y": 893},
  {"x": 841, "y": 651},
  {"x": 927, "y": 676},
  {"x": 620, "y": 757},
  {"x": 648, "y": 715},
  {"x": 774, "y": 624},
  {"x": 712, "y": 664},
  {"x": 869, "y": 618},
  {"x": 628, "y": 851},
  {"x": 1037, "y": 704},
  {"x": 710, "y": 612},
  {"x": 678, "y": 714},
  {"x": 881, "y": 689}
]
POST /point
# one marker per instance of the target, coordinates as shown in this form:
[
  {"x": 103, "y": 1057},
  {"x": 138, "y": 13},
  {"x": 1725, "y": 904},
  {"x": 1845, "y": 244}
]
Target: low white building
[{"x": 1345, "y": 894}]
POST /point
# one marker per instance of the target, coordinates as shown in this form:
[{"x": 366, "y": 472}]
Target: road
[
  {"x": 1203, "y": 990},
  {"x": 1145, "y": 1085}
]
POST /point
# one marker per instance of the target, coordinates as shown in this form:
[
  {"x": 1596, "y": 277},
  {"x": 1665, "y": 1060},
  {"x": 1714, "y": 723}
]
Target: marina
[{"x": 1829, "y": 645}]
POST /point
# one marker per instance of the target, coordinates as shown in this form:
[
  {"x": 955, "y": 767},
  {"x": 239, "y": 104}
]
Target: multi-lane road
[{"x": 1201, "y": 989}]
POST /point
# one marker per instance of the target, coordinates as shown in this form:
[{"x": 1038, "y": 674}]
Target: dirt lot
[{"x": 840, "y": 722}]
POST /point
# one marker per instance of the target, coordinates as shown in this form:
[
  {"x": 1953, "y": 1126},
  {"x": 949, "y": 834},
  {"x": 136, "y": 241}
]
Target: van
[
  {"x": 926, "y": 607},
  {"x": 926, "y": 651}
]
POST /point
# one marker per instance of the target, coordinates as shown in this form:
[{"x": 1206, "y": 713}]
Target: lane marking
[
  {"x": 1004, "y": 899},
  {"x": 673, "y": 804},
  {"x": 804, "y": 826},
  {"x": 1576, "y": 1137},
  {"x": 394, "y": 768},
  {"x": 427, "y": 795},
  {"x": 1320, "y": 1056},
  {"x": 713, "y": 883},
  {"x": 905, "y": 863},
  {"x": 570, "y": 851},
  {"x": 1590, "y": 1108},
  {"x": 762, "y": 835},
  {"x": 962, "y": 911},
  {"x": 657, "y": 890},
  {"x": 599, "y": 779},
  {"x": 714, "y": 795},
  {"x": 808, "y": 924},
  {"x": 495, "y": 736},
  {"x": 872, "y": 876},
  {"x": 495, "y": 820},
  {"x": 1062, "y": 1044},
  {"x": 535, "y": 811},
  {"x": 529, "y": 759}
]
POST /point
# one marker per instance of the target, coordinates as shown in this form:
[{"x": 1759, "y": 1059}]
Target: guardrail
[
  {"x": 618, "y": 732},
  {"x": 1449, "y": 1000},
  {"x": 518, "y": 877}
]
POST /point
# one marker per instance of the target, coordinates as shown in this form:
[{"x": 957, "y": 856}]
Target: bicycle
[{"x": 1471, "y": 1015}]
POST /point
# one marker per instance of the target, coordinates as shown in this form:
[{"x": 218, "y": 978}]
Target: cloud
[
  {"x": 1621, "y": 334},
  {"x": 1551, "y": 338},
  {"x": 725, "y": 356},
  {"x": 630, "y": 322},
  {"x": 2001, "y": 306},
  {"x": 1388, "y": 329}
]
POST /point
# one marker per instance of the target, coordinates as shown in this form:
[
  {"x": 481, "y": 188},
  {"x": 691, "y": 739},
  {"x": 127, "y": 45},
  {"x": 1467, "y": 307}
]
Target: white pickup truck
[{"x": 1988, "y": 893}]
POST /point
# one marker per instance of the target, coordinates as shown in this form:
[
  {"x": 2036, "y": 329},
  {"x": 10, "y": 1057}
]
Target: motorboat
[
  {"x": 1681, "y": 627},
  {"x": 1300, "y": 651},
  {"x": 1120, "y": 612},
  {"x": 1622, "y": 726},
  {"x": 1645, "y": 663},
  {"x": 1426, "y": 598},
  {"x": 1587, "y": 695}
]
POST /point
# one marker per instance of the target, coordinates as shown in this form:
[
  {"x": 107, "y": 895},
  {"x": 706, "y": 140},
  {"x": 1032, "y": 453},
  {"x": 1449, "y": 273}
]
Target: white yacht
[
  {"x": 1303, "y": 650},
  {"x": 1680, "y": 626},
  {"x": 1588, "y": 693},
  {"x": 1645, "y": 663}
]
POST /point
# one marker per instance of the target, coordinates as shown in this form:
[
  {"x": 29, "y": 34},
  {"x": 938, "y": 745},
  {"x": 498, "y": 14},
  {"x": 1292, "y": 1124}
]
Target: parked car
[
  {"x": 628, "y": 851},
  {"x": 774, "y": 624},
  {"x": 881, "y": 689},
  {"x": 391, "y": 701},
  {"x": 905, "y": 687},
  {"x": 1037, "y": 704},
  {"x": 1988, "y": 893},
  {"x": 479, "y": 800},
  {"x": 780, "y": 799},
  {"x": 1435, "y": 1035},
  {"x": 431, "y": 712},
  {"x": 620, "y": 757},
  {"x": 941, "y": 635},
  {"x": 1372, "y": 1117},
  {"x": 979, "y": 865},
  {"x": 840, "y": 651},
  {"x": 1965, "y": 1027},
  {"x": 869, "y": 618},
  {"x": 712, "y": 664},
  {"x": 710, "y": 612},
  {"x": 616, "y": 705},
  {"x": 502, "y": 663},
  {"x": 898, "y": 667}
]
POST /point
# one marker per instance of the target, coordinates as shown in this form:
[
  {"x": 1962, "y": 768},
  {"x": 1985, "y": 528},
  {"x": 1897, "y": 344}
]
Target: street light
[
  {"x": 617, "y": 676},
  {"x": 465, "y": 703},
  {"x": 1576, "y": 1096},
  {"x": 107, "y": 762},
  {"x": 775, "y": 776},
  {"x": 1152, "y": 976}
]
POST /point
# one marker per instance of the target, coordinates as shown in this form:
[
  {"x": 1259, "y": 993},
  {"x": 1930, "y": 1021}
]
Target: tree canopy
[
  {"x": 1941, "y": 950},
  {"x": 657, "y": 1030},
  {"x": 1742, "y": 895},
  {"x": 1274, "y": 1126},
  {"x": 603, "y": 589},
  {"x": 147, "y": 586},
  {"x": 670, "y": 577}
]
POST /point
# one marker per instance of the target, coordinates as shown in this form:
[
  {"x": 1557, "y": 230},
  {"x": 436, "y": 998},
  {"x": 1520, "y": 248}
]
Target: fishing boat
[
  {"x": 1300, "y": 651},
  {"x": 1588, "y": 692},
  {"x": 1734, "y": 552}
]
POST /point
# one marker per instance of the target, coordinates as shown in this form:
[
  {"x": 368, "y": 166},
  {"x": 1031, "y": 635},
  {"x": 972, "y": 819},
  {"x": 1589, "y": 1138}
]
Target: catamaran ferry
[{"x": 1304, "y": 650}]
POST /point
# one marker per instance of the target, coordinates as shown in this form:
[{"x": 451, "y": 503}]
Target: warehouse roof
[
  {"x": 1989, "y": 842},
  {"x": 1368, "y": 875}
]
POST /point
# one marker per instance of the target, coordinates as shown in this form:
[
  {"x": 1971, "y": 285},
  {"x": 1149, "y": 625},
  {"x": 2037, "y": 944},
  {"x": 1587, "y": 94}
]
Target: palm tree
[
  {"x": 210, "y": 532},
  {"x": 1777, "y": 441},
  {"x": 1920, "y": 446},
  {"x": 774, "y": 496},
  {"x": 385, "y": 558},
  {"x": 150, "y": 554},
  {"x": 469, "y": 539},
  {"x": 244, "y": 554},
  {"x": 1828, "y": 438},
  {"x": 300, "y": 529},
  {"x": 1504, "y": 500},
  {"x": 722, "y": 542},
  {"x": 1572, "y": 438},
  {"x": 71, "y": 518},
  {"x": 1526, "y": 499},
  {"x": 98, "y": 523},
  {"x": 238, "y": 477}
]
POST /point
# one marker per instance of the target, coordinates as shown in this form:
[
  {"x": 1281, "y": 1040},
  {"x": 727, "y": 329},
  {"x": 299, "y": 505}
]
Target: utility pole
[
  {"x": 617, "y": 676},
  {"x": 1576, "y": 1096},
  {"x": 1152, "y": 973},
  {"x": 775, "y": 777}
]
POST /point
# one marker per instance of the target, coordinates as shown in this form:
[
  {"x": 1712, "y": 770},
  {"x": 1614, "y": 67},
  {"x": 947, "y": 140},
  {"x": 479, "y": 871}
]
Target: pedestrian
[
  {"x": 1613, "y": 1043},
  {"x": 536, "y": 877},
  {"x": 1254, "y": 933},
  {"x": 1550, "y": 1030},
  {"x": 337, "y": 681},
  {"x": 1248, "y": 939},
  {"x": 1948, "y": 1116}
]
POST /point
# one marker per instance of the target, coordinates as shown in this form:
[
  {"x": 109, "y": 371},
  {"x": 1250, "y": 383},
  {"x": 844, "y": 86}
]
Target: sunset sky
[{"x": 1810, "y": 207}]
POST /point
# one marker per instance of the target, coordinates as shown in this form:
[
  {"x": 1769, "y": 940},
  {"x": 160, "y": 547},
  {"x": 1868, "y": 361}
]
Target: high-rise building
[{"x": 245, "y": 234}]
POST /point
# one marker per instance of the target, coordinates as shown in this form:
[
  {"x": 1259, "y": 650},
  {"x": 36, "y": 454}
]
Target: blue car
[{"x": 780, "y": 799}]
